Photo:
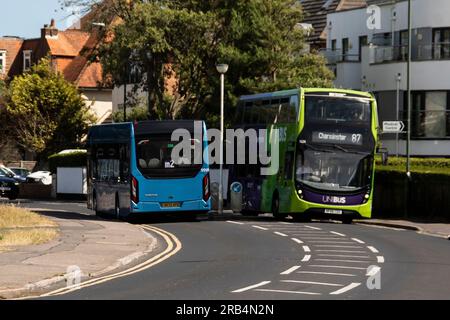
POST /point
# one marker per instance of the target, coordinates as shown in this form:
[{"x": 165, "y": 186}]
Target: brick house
[{"x": 67, "y": 50}]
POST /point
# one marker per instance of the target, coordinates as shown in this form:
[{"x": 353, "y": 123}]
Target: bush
[{"x": 68, "y": 160}]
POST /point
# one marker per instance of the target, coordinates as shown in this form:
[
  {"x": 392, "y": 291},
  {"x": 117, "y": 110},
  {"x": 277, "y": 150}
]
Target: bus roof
[
  {"x": 343, "y": 91},
  {"x": 110, "y": 133},
  {"x": 270, "y": 95},
  {"x": 291, "y": 92}
]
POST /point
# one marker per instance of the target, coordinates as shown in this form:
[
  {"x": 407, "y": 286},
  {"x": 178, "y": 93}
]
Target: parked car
[
  {"x": 22, "y": 172},
  {"x": 41, "y": 177},
  {"x": 9, "y": 187},
  {"x": 6, "y": 172}
]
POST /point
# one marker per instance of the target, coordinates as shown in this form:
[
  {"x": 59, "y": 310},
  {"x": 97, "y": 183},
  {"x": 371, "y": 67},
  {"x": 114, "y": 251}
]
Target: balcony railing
[
  {"x": 336, "y": 56},
  {"x": 435, "y": 51}
]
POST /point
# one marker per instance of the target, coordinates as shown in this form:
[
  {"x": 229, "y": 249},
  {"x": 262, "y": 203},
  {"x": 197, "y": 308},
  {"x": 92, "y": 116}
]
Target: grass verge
[{"x": 20, "y": 227}]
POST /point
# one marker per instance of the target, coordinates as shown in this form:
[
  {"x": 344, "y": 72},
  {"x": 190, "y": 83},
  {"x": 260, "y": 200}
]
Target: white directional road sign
[{"x": 393, "y": 126}]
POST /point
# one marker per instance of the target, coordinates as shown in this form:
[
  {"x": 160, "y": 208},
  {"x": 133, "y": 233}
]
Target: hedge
[
  {"x": 69, "y": 160},
  {"x": 426, "y": 166}
]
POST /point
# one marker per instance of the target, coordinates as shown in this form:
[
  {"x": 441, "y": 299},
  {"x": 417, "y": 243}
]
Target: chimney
[{"x": 49, "y": 31}]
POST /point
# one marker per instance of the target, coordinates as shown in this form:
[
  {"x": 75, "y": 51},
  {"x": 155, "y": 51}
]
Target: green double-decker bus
[{"x": 327, "y": 140}]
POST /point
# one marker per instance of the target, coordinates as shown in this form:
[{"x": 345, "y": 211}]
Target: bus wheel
[
  {"x": 276, "y": 208},
  {"x": 347, "y": 220}
]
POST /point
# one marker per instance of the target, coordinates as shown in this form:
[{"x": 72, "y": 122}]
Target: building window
[
  {"x": 441, "y": 43},
  {"x": 430, "y": 116},
  {"x": 363, "y": 41},
  {"x": 2, "y": 62},
  {"x": 333, "y": 45},
  {"x": 345, "y": 49},
  {"x": 26, "y": 60}
]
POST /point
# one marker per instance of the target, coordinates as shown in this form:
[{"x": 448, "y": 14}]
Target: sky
[{"x": 25, "y": 18}]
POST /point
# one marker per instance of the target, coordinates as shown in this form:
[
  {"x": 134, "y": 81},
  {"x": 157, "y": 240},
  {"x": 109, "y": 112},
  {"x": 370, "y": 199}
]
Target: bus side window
[
  {"x": 294, "y": 109},
  {"x": 239, "y": 116},
  {"x": 284, "y": 111},
  {"x": 288, "y": 165},
  {"x": 275, "y": 106},
  {"x": 247, "y": 113}
]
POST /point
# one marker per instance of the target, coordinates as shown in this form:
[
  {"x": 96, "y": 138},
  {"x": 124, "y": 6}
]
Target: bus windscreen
[{"x": 154, "y": 157}]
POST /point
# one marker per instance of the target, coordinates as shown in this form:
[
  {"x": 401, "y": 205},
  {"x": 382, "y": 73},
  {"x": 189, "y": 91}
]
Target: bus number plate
[
  {"x": 328, "y": 211},
  {"x": 171, "y": 205}
]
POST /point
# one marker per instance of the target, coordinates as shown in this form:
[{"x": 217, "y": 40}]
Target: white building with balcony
[{"x": 368, "y": 49}]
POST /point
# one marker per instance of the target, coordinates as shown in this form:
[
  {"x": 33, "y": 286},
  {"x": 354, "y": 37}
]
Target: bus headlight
[
  {"x": 300, "y": 194},
  {"x": 367, "y": 196}
]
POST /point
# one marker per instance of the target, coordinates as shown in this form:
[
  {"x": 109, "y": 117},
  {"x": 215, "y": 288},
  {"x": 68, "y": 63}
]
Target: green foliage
[
  {"x": 134, "y": 114},
  {"x": 69, "y": 160},
  {"x": 259, "y": 39},
  {"x": 45, "y": 113},
  {"x": 425, "y": 166}
]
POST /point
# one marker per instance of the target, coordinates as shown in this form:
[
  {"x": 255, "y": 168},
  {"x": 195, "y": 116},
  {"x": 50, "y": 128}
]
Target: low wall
[{"x": 425, "y": 196}]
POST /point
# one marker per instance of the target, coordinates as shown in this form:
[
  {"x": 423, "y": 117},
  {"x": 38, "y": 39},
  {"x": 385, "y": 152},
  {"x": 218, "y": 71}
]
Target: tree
[
  {"x": 260, "y": 39},
  {"x": 45, "y": 111}
]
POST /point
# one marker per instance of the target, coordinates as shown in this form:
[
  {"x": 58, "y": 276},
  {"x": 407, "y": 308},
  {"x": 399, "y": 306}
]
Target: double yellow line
[{"x": 173, "y": 246}]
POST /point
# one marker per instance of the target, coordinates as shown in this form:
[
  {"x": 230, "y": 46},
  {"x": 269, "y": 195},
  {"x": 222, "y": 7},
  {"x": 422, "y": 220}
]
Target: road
[{"x": 264, "y": 259}]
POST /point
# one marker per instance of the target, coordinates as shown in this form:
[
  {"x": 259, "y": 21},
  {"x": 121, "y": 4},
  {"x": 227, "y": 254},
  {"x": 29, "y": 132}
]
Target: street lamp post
[
  {"x": 408, "y": 80},
  {"x": 222, "y": 69}
]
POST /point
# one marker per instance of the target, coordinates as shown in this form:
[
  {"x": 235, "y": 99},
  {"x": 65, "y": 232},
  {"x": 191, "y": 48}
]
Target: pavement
[{"x": 86, "y": 245}]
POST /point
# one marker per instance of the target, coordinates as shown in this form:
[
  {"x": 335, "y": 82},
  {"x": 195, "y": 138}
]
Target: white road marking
[
  {"x": 286, "y": 291},
  {"x": 306, "y": 258},
  {"x": 373, "y": 249},
  {"x": 235, "y": 222},
  {"x": 347, "y": 288},
  {"x": 338, "y": 260},
  {"x": 341, "y": 251},
  {"x": 281, "y": 234},
  {"x": 251, "y": 287},
  {"x": 337, "y": 233},
  {"x": 357, "y": 240},
  {"x": 288, "y": 223},
  {"x": 312, "y": 282},
  {"x": 289, "y": 271},
  {"x": 337, "y": 267},
  {"x": 380, "y": 259},
  {"x": 321, "y": 238},
  {"x": 333, "y": 246},
  {"x": 373, "y": 271},
  {"x": 297, "y": 240},
  {"x": 260, "y": 228},
  {"x": 343, "y": 256},
  {"x": 313, "y": 228},
  {"x": 306, "y": 249},
  {"x": 336, "y": 242},
  {"x": 328, "y": 273}
]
